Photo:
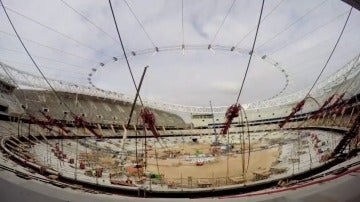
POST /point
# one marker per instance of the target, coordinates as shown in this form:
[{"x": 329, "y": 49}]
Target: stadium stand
[{"x": 93, "y": 109}]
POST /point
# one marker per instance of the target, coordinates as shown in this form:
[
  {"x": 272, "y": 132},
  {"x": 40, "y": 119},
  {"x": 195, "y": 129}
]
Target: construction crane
[{"x": 213, "y": 119}]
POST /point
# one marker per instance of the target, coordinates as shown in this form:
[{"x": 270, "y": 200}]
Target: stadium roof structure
[
  {"x": 27, "y": 80},
  {"x": 218, "y": 43}
]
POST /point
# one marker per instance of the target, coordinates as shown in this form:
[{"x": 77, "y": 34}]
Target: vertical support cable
[
  {"x": 252, "y": 51},
  {"x": 331, "y": 54},
  {"x": 122, "y": 46}
]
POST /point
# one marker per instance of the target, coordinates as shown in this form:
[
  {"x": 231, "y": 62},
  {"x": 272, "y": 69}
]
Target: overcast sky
[{"x": 197, "y": 76}]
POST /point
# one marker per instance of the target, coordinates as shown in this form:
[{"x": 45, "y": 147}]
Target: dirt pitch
[{"x": 178, "y": 167}]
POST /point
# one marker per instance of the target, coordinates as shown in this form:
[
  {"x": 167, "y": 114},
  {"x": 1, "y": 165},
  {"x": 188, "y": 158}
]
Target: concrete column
[
  {"x": 100, "y": 129},
  {"x": 112, "y": 129}
]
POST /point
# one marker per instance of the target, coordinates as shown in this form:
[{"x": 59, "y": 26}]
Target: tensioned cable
[
  {"x": 223, "y": 21},
  {"x": 123, "y": 48},
  {"x": 331, "y": 54},
  {"x": 25, "y": 65},
  {"x": 141, "y": 25},
  {"x": 267, "y": 15},
  {"x": 43, "y": 57},
  {"x": 49, "y": 47},
  {"x": 310, "y": 32},
  {"x": 32, "y": 59},
  {"x": 293, "y": 23},
  {"x": 252, "y": 51},
  {"x": 327, "y": 61},
  {"x": 88, "y": 20},
  {"x": 348, "y": 85},
  {"x": 8, "y": 73},
  {"x": 56, "y": 31}
]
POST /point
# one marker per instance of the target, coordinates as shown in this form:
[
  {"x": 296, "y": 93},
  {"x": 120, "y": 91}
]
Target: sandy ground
[
  {"x": 190, "y": 148},
  {"x": 176, "y": 168}
]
